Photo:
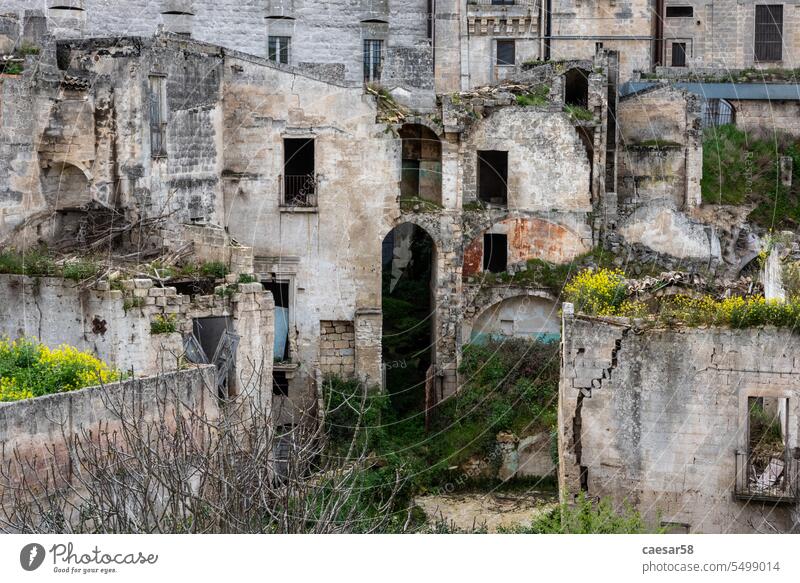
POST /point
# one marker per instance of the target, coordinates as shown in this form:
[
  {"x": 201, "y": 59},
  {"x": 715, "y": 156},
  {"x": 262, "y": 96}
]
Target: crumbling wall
[
  {"x": 766, "y": 116},
  {"x": 654, "y": 417},
  {"x": 115, "y": 324},
  {"x": 40, "y": 429}
]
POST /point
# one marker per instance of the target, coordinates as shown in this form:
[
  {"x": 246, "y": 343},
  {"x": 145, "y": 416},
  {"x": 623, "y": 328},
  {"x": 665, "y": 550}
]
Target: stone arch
[
  {"x": 421, "y": 163},
  {"x": 513, "y": 312},
  {"x": 65, "y": 186}
]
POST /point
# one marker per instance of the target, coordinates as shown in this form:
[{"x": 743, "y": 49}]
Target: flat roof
[{"x": 751, "y": 91}]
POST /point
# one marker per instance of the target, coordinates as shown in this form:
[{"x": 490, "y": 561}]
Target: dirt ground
[{"x": 468, "y": 511}]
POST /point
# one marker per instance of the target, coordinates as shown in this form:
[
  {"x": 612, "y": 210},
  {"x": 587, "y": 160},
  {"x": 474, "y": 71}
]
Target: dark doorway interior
[
  {"x": 298, "y": 172},
  {"x": 576, "y": 87}
]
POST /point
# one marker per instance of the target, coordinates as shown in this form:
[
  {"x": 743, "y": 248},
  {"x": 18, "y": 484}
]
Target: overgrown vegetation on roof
[
  {"x": 743, "y": 168},
  {"x": 578, "y": 113}
]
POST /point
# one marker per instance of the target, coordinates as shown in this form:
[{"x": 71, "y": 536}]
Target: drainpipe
[{"x": 548, "y": 29}]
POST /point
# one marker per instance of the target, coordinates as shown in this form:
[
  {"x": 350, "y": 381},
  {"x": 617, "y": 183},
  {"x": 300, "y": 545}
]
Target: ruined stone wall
[
  {"x": 115, "y": 324},
  {"x": 768, "y": 115},
  {"x": 660, "y": 168},
  {"x": 655, "y": 417},
  {"x": 40, "y": 428},
  {"x": 624, "y": 26}
]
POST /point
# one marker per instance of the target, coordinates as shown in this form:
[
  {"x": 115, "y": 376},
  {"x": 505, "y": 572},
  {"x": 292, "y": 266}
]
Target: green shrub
[
  {"x": 215, "y": 269},
  {"x": 163, "y": 324},
  {"x": 35, "y": 262},
  {"x": 80, "y": 270},
  {"x": 536, "y": 97},
  {"x": 12, "y": 68},
  {"x": 586, "y": 517},
  {"x": 131, "y": 303},
  {"x": 28, "y": 49},
  {"x": 29, "y": 369},
  {"x": 576, "y": 112},
  {"x": 599, "y": 292},
  {"x": 247, "y": 278}
]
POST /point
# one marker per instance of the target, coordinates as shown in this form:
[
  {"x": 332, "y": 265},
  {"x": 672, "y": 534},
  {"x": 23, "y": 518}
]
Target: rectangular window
[
  {"x": 678, "y": 54},
  {"x": 493, "y": 176},
  {"x": 503, "y": 2},
  {"x": 278, "y": 49},
  {"x": 299, "y": 176},
  {"x": 280, "y": 384},
  {"x": 769, "y": 32},
  {"x": 158, "y": 116},
  {"x": 495, "y": 253},
  {"x": 506, "y": 52},
  {"x": 680, "y": 12},
  {"x": 373, "y": 55}
]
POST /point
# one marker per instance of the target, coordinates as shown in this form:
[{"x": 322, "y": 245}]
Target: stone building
[{"x": 663, "y": 419}]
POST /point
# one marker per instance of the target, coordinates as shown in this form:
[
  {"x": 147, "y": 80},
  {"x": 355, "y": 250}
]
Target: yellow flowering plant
[
  {"x": 601, "y": 292},
  {"x": 31, "y": 369}
]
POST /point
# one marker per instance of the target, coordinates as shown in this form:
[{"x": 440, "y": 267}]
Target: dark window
[
  {"x": 716, "y": 112},
  {"x": 503, "y": 2},
  {"x": 493, "y": 176},
  {"x": 680, "y": 12},
  {"x": 678, "y": 54},
  {"x": 373, "y": 55},
  {"x": 506, "y": 52},
  {"x": 495, "y": 253},
  {"x": 278, "y": 49},
  {"x": 158, "y": 117},
  {"x": 299, "y": 181},
  {"x": 769, "y": 32},
  {"x": 576, "y": 87},
  {"x": 280, "y": 384}
]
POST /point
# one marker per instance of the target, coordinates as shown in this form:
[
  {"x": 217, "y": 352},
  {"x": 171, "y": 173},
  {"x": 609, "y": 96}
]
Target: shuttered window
[
  {"x": 158, "y": 117},
  {"x": 769, "y": 32}
]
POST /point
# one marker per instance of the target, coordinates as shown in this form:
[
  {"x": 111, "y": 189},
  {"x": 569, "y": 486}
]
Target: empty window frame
[
  {"x": 278, "y": 49},
  {"x": 503, "y": 2},
  {"x": 158, "y": 116},
  {"x": 493, "y": 176},
  {"x": 678, "y": 54},
  {"x": 280, "y": 292},
  {"x": 680, "y": 12},
  {"x": 280, "y": 383},
  {"x": 495, "y": 253},
  {"x": 506, "y": 52},
  {"x": 299, "y": 176},
  {"x": 373, "y": 60},
  {"x": 769, "y": 32}
]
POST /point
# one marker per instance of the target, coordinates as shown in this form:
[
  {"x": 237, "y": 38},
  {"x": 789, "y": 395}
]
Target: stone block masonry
[
  {"x": 655, "y": 418},
  {"x": 337, "y": 347}
]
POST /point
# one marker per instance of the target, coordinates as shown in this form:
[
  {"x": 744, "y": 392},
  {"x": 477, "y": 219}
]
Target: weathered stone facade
[{"x": 655, "y": 417}]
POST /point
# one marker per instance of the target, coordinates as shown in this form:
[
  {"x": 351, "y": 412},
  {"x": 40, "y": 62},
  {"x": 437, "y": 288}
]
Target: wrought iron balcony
[
  {"x": 763, "y": 479},
  {"x": 299, "y": 190}
]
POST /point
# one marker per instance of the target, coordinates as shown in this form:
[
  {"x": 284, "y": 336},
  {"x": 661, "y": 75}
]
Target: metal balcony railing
[
  {"x": 771, "y": 479},
  {"x": 299, "y": 190}
]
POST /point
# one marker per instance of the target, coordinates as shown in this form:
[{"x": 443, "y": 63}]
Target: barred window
[
  {"x": 278, "y": 49},
  {"x": 506, "y": 52},
  {"x": 769, "y": 32},
  {"x": 373, "y": 55},
  {"x": 158, "y": 116}
]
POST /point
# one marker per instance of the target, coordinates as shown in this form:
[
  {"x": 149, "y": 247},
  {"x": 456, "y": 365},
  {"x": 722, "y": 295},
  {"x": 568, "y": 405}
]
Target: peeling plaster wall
[{"x": 654, "y": 417}]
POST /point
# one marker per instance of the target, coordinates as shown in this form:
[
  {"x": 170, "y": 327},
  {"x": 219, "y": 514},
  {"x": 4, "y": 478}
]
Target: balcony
[
  {"x": 299, "y": 191},
  {"x": 766, "y": 480}
]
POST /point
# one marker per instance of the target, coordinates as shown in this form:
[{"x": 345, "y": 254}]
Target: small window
[
  {"x": 769, "y": 32},
  {"x": 680, "y": 12},
  {"x": 506, "y": 52},
  {"x": 503, "y": 2},
  {"x": 279, "y": 49},
  {"x": 716, "y": 112},
  {"x": 158, "y": 116},
  {"x": 493, "y": 176},
  {"x": 495, "y": 253},
  {"x": 373, "y": 60},
  {"x": 299, "y": 178},
  {"x": 280, "y": 384},
  {"x": 678, "y": 54}
]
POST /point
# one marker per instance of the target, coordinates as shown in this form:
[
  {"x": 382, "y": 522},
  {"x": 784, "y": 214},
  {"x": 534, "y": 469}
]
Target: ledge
[{"x": 298, "y": 209}]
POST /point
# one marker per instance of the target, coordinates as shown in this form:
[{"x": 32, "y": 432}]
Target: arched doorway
[
  {"x": 421, "y": 164},
  {"x": 409, "y": 267}
]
